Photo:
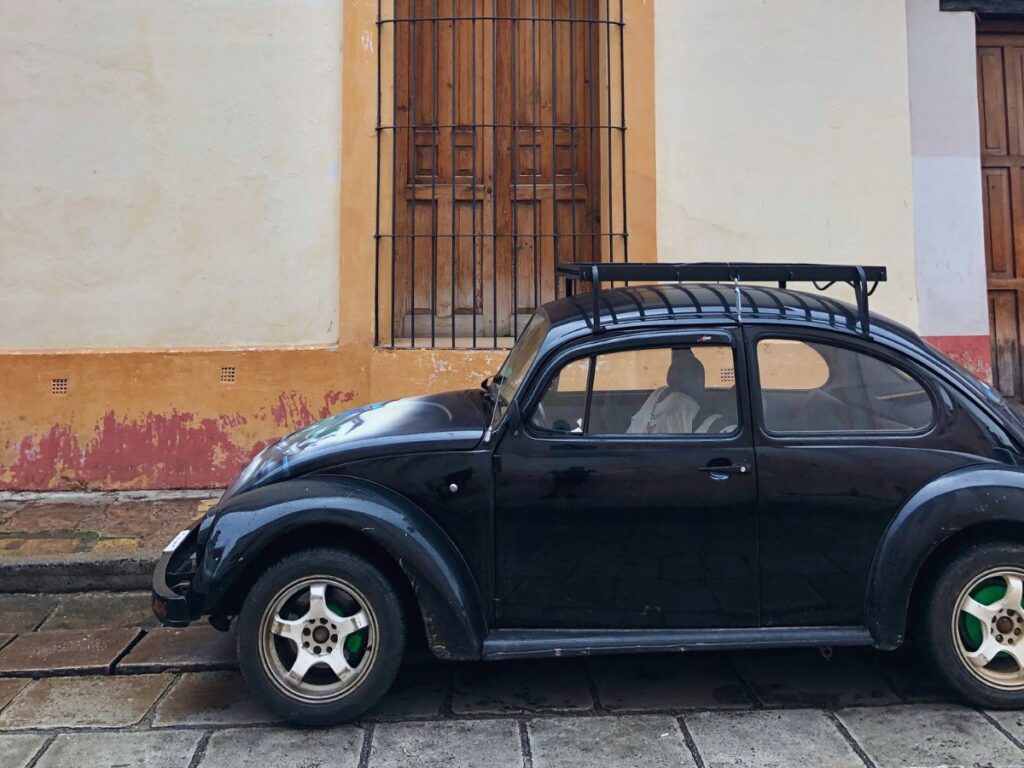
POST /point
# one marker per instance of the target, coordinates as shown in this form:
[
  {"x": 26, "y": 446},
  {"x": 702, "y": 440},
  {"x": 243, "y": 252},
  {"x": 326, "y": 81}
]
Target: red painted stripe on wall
[{"x": 974, "y": 353}]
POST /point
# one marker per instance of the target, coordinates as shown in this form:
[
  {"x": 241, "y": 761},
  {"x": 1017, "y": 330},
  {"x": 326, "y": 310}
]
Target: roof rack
[{"x": 863, "y": 280}]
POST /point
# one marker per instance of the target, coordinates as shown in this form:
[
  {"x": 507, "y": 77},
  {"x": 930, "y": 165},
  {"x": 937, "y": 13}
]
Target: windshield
[{"x": 513, "y": 371}]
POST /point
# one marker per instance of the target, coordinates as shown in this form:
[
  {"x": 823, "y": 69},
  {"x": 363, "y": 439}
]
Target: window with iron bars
[{"x": 500, "y": 152}]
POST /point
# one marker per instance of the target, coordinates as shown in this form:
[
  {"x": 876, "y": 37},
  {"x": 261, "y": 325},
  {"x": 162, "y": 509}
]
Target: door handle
[{"x": 723, "y": 471}]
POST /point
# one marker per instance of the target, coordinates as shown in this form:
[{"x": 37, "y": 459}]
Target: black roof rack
[{"x": 863, "y": 280}]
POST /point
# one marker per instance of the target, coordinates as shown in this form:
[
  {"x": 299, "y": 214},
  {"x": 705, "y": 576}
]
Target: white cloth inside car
[{"x": 666, "y": 412}]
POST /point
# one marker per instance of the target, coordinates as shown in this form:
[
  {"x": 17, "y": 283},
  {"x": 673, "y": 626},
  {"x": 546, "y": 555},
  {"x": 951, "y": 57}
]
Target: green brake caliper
[
  {"x": 986, "y": 594},
  {"x": 356, "y": 642}
]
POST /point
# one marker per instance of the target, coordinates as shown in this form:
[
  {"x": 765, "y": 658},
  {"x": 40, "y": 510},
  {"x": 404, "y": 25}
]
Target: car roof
[{"x": 715, "y": 302}]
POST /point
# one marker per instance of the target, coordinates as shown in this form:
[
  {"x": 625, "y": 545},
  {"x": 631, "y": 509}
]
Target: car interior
[
  {"x": 681, "y": 397},
  {"x": 806, "y": 387}
]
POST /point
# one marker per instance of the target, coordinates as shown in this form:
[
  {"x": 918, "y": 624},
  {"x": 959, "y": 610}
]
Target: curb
[{"x": 78, "y": 575}]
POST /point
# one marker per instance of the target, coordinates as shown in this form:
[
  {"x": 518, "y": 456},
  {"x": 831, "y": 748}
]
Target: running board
[{"x": 527, "y": 643}]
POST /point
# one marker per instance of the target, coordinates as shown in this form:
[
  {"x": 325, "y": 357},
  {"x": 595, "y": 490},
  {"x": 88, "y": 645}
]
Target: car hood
[{"x": 447, "y": 421}]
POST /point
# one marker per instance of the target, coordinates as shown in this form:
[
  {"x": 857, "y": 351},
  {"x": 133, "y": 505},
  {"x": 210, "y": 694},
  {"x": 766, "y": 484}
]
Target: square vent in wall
[
  {"x": 227, "y": 374},
  {"x": 59, "y": 386}
]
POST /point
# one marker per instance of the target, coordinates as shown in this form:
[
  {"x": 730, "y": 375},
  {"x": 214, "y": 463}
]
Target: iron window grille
[{"x": 500, "y": 153}]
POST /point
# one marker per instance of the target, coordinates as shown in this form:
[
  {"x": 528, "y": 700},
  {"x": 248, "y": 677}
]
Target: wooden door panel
[
  {"x": 495, "y": 139},
  {"x": 1004, "y": 318},
  {"x": 992, "y": 101},
  {"x": 1000, "y": 62},
  {"x": 999, "y": 245}
]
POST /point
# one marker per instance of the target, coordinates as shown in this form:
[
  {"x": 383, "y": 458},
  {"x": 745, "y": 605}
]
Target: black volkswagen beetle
[{"x": 694, "y": 463}]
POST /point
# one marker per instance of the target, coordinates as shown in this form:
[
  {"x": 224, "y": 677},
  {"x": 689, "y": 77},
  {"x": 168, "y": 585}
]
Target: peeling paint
[
  {"x": 175, "y": 450},
  {"x": 972, "y": 353},
  {"x": 293, "y": 410}
]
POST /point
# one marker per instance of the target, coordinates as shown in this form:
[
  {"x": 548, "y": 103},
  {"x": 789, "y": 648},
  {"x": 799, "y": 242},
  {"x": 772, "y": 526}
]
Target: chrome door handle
[{"x": 722, "y": 471}]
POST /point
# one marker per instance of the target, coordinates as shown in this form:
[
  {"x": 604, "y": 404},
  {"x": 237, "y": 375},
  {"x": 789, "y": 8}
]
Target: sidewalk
[
  {"x": 88, "y": 680},
  {"x": 72, "y": 541}
]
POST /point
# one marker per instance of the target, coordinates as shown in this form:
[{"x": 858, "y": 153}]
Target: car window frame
[
  {"x": 857, "y": 345},
  {"x": 592, "y": 348}
]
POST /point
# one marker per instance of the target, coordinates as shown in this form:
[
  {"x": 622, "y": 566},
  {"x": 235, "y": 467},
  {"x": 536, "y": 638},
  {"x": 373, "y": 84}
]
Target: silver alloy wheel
[
  {"x": 988, "y": 628},
  {"x": 307, "y": 639}
]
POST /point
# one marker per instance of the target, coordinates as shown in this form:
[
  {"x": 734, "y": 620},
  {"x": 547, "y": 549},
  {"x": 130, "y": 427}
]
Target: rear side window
[{"x": 813, "y": 387}]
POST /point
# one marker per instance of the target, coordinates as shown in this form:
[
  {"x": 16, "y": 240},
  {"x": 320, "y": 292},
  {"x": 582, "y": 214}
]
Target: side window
[
  {"x": 658, "y": 390},
  {"x": 813, "y": 387}
]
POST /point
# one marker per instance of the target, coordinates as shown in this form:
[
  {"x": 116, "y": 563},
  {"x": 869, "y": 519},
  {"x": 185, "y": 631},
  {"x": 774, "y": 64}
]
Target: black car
[{"x": 695, "y": 463}]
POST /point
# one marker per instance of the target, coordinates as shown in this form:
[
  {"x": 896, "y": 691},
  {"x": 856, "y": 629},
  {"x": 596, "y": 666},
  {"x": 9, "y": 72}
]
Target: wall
[
  {"x": 169, "y": 173},
  {"x": 783, "y": 134},
  {"x": 153, "y": 417},
  {"x": 948, "y": 218}
]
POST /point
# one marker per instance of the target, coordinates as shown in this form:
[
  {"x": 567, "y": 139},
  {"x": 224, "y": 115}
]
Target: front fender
[
  {"x": 948, "y": 505},
  {"x": 444, "y": 586}
]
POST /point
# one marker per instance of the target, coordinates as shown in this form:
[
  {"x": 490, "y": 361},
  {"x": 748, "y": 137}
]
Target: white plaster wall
[
  {"x": 948, "y": 217},
  {"x": 169, "y": 173},
  {"x": 783, "y": 134}
]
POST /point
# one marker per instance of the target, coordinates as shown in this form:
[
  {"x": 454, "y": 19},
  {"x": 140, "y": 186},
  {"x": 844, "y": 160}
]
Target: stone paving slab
[
  {"x": 189, "y": 649},
  {"x": 163, "y": 749},
  {"x": 72, "y": 542},
  {"x": 542, "y": 685},
  {"x": 23, "y": 613},
  {"x": 5, "y": 639},
  {"x": 451, "y": 744},
  {"x": 419, "y": 691},
  {"x": 929, "y": 735},
  {"x": 95, "y": 610},
  {"x": 65, "y": 652},
  {"x": 596, "y": 742},
  {"x": 1013, "y": 722},
  {"x": 770, "y": 739},
  {"x": 802, "y": 678},
  {"x": 666, "y": 682},
  {"x": 9, "y": 688},
  {"x": 210, "y": 698},
  {"x": 284, "y": 748},
  {"x": 913, "y": 679},
  {"x": 84, "y": 702},
  {"x": 16, "y": 750}
]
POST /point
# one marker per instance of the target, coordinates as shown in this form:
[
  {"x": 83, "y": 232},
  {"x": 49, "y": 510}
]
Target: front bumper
[{"x": 172, "y": 580}]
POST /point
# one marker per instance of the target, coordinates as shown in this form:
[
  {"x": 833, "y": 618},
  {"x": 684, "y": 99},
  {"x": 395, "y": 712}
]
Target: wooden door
[
  {"x": 496, "y": 136},
  {"x": 1001, "y": 107}
]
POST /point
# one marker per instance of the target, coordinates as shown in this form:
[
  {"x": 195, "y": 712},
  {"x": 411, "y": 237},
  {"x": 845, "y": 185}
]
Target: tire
[
  {"x": 320, "y": 637},
  {"x": 974, "y": 624}
]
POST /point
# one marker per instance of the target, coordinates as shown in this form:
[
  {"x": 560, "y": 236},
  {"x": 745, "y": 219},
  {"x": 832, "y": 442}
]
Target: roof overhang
[{"x": 1002, "y": 7}]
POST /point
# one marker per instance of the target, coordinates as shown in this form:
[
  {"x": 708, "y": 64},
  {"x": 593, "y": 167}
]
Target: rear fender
[
  {"x": 951, "y": 504},
  {"x": 444, "y": 586}
]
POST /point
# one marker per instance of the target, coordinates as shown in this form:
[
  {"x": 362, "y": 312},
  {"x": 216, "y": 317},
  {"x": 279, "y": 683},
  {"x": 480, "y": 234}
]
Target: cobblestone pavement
[{"x": 89, "y": 681}]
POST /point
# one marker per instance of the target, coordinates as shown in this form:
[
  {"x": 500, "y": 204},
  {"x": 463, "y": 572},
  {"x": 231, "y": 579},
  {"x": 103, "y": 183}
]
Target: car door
[
  {"x": 847, "y": 432},
  {"x": 623, "y": 502}
]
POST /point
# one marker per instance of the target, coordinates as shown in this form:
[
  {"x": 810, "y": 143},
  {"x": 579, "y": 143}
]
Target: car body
[{"x": 533, "y": 516}]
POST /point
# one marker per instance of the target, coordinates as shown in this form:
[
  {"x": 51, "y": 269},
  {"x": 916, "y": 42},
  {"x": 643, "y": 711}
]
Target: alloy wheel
[
  {"x": 318, "y": 639},
  {"x": 988, "y": 628}
]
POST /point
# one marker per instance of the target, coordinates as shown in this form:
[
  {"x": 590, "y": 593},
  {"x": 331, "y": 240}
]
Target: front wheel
[
  {"x": 320, "y": 636},
  {"x": 975, "y": 624}
]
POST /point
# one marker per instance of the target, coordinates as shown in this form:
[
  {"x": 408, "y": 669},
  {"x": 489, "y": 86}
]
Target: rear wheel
[
  {"x": 975, "y": 624},
  {"x": 321, "y": 636}
]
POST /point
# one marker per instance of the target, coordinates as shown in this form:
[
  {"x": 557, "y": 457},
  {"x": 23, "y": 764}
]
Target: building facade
[{"x": 221, "y": 220}]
